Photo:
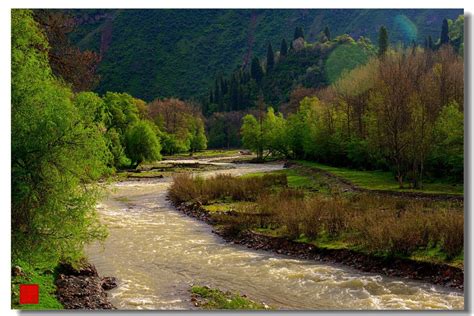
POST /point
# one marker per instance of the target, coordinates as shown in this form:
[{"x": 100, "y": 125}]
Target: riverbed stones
[{"x": 83, "y": 288}]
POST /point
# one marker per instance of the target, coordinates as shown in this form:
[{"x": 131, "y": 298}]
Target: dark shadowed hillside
[{"x": 158, "y": 53}]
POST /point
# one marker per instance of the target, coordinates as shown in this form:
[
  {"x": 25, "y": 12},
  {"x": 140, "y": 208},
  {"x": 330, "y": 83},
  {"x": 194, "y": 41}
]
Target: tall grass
[
  {"x": 222, "y": 186},
  {"x": 376, "y": 224}
]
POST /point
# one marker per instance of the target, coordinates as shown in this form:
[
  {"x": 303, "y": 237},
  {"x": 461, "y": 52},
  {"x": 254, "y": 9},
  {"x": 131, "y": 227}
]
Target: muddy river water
[{"x": 157, "y": 253}]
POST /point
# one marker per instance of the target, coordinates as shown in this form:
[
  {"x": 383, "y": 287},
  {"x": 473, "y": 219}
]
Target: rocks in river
[
  {"x": 108, "y": 283},
  {"x": 83, "y": 288}
]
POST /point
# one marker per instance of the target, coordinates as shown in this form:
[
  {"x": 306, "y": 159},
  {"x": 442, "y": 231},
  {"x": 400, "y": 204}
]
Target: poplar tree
[
  {"x": 383, "y": 41},
  {"x": 270, "y": 57},
  {"x": 256, "y": 70},
  {"x": 444, "y": 39},
  {"x": 283, "y": 48},
  {"x": 327, "y": 33},
  {"x": 298, "y": 33}
]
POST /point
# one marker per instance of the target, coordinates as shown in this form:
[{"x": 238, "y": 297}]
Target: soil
[
  {"x": 439, "y": 274},
  {"x": 83, "y": 288}
]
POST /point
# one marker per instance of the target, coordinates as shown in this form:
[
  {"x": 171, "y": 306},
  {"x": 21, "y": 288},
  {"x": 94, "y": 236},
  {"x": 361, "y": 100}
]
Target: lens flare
[
  {"x": 405, "y": 28},
  {"x": 344, "y": 58}
]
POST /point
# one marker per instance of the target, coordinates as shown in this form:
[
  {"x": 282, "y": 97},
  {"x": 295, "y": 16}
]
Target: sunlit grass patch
[
  {"x": 45, "y": 279},
  {"x": 213, "y": 299},
  {"x": 384, "y": 180}
]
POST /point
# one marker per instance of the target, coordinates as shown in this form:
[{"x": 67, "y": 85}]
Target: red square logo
[{"x": 29, "y": 294}]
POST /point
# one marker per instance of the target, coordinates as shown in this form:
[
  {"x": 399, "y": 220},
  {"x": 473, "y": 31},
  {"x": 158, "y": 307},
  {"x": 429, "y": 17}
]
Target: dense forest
[
  {"x": 389, "y": 101},
  {"x": 178, "y": 53}
]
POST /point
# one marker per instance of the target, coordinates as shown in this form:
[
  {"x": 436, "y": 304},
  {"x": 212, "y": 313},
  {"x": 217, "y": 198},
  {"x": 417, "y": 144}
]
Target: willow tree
[{"x": 57, "y": 153}]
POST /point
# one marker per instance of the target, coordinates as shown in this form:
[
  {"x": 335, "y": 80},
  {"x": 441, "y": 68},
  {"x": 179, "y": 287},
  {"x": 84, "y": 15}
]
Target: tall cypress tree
[
  {"x": 327, "y": 33},
  {"x": 298, "y": 33},
  {"x": 444, "y": 39},
  {"x": 256, "y": 70},
  {"x": 383, "y": 41},
  {"x": 270, "y": 57},
  {"x": 283, "y": 48}
]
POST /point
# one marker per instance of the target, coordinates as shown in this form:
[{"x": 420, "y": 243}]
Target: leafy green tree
[
  {"x": 283, "y": 48},
  {"x": 171, "y": 144},
  {"x": 57, "y": 154},
  {"x": 142, "y": 144},
  {"x": 198, "y": 140},
  {"x": 275, "y": 133},
  {"x": 448, "y": 152},
  {"x": 256, "y": 70},
  {"x": 383, "y": 41},
  {"x": 444, "y": 38},
  {"x": 252, "y": 135},
  {"x": 121, "y": 111},
  {"x": 270, "y": 58}
]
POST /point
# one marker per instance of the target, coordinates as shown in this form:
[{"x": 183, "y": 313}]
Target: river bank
[
  {"x": 439, "y": 274},
  {"x": 163, "y": 253},
  {"x": 83, "y": 288}
]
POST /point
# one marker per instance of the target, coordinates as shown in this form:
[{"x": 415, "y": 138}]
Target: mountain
[{"x": 169, "y": 52}]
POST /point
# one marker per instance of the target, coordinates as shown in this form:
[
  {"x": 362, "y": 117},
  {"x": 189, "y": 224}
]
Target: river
[{"x": 157, "y": 253}]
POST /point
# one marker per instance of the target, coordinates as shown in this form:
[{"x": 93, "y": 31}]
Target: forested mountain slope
[{"x": 163, "y": 53}]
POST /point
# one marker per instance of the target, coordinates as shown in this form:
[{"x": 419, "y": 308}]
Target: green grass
[
  {"x": 213, "y": 299},
  {"x": 297, "y": 180},
  {"x": 432, "y": 254},
  {"x": 47, "y": 289},
  {"x": 222, "y": 206},
  {"x": 384, "y": 180}
]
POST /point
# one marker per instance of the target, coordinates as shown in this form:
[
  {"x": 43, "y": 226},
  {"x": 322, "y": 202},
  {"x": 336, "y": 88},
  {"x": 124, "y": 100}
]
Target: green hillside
[{"x": 162, "y": 53}]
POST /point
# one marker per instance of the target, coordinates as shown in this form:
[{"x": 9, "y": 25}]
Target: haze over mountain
[{"x": 164, "y": 53}]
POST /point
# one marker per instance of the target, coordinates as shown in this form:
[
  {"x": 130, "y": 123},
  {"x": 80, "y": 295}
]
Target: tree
[
  {"x": 198, "y": 140},
  {"x": 283, "y": 48},
  {"x": 67, "y": 61},
  {"x": 444, "y": 38},
  {"x": 298, "y": 33},
  {"x": 275, "y": 139},
  {"x": 430, "y": 42},
  {"x": 57, "y": 153},
  {"x": 256, "y": 70},
  {"x": 270, "y": 58},
  {"x": 252, "y": 137},
  {"x": 327, "y": 33},
  {"x": 142, "y": 144},
  {"x": 448, "y": 152},
  {"x": 383, "y": 41},
  {"x": 180, "y": 122}
]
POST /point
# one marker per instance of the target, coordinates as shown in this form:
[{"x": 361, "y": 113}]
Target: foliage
[
  {"x": 76, "y": 67},
  {"x": 57, "y": 152},
  {"x": 180, "y": 123},
  {"x": 447, "y": 156},
  {"x": 142, "y": 144},
  {"x": 444, "y": 38},
  {"x": 151, "y": 53},
  {"x": 383, "y": 41},
  {"x": 270, "y": 58},
  {"x": 252, "y": 135},
  {"x": 391, "y": 113}
]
